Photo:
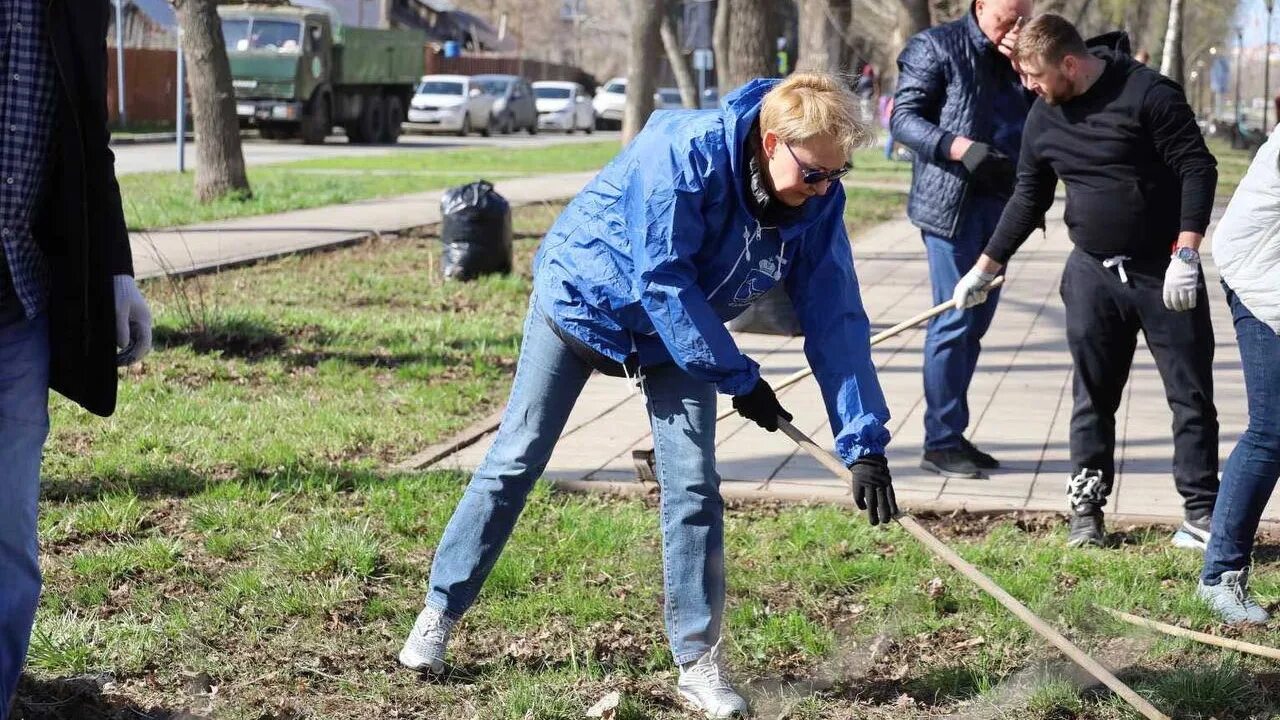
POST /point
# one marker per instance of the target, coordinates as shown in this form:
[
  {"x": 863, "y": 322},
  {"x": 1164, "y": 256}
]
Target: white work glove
[
  {"x": 1181, "y": 284},
  {"x": 133, "y": 321},
  {"x": 972, "y": 289}
]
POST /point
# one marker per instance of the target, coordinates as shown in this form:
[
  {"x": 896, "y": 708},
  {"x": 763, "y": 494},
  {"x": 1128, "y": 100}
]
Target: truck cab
[{"x": 297, "y": 71}]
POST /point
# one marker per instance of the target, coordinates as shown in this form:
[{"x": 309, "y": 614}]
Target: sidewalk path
[
  {"x": 229, "y": 242},
  {"x": 1020, "y": 402}
]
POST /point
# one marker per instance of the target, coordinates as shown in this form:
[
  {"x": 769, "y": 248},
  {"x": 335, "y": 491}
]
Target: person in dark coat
[
  {"x": 70, "y": 312},
  {"x": 960, "y": 107},
  {"x": 1140, "y": 184}
]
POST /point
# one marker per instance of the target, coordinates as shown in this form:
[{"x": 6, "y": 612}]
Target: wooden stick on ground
[
  {"x": 876, "y": 339},
  {"x": 1012, "y": 604},
  {"x": 1206, "y": 638}
]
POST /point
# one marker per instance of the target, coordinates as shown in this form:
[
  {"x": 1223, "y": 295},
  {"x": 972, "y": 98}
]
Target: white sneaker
[
  {"x": 425, "y": 646},
  {"x": 703, "y": 685}
]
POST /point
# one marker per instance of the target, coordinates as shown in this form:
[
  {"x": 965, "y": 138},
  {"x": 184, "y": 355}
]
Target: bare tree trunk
[
  {"x": 1171, "y": 54},
  {"x": 642, "y": 65},
  {"x": 720, "y": 44},
  {"x": 752, "y": 43},
  {"x": 680, "y": 65},
  {"x": 220, "y": 169},
  {"x": 916, "y": 16},
  {"x": 822, "y": 28}
]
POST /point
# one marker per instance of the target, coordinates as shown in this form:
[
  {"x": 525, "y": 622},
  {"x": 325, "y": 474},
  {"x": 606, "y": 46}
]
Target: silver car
[{"x": 563, "y": 105}]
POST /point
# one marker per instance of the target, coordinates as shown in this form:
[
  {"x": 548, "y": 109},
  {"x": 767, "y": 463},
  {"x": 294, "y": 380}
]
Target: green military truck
[{"x": 298, "y": 72}]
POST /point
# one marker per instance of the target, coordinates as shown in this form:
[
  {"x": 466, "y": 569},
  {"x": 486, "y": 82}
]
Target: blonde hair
[{"x": 807, "y": 105}]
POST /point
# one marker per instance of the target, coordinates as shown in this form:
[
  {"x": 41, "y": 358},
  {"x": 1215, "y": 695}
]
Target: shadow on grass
[
  {"x": 82, "y": 699},
  {"x": 181, "y": 482},
  {"x": 255, "y": 340}
]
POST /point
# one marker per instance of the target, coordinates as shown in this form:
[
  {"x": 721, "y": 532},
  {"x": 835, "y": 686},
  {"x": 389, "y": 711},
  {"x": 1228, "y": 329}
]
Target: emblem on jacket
[{"x": 761, "y": 278}]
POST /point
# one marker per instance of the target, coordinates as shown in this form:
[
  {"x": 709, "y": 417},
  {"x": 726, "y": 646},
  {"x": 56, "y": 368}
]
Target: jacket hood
[
  {"x": 1116, "y": 41},
  {"x": 741, "y": 109}
]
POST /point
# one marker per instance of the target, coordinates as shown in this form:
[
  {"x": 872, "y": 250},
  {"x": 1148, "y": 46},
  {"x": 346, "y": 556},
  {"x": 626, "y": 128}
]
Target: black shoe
[
  {"x": 979, "y": 458},
  {"x": 952, "y": 463},
  {"x": 1085, "y": 528}
]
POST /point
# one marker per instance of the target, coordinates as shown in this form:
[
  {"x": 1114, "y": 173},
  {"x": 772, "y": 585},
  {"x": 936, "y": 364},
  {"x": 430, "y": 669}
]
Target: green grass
[
  {"x": 1232, "y": 165},
  {"x": 165, "y": 199},
  {"x": 234, "y": 518}
]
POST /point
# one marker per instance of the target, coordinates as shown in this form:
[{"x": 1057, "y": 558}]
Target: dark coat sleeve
[
  {"x": 1176, "y": 136},
  {"x": 917, "y": 104}
]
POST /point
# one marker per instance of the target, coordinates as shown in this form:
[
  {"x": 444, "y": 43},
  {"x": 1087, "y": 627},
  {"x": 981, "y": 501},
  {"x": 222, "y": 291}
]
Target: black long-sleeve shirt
[{"x": 1135, "y": 166}]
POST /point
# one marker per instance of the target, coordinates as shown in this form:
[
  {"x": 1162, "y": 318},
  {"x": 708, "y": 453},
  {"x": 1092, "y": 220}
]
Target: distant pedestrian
[{"x": 886, "y": 113}]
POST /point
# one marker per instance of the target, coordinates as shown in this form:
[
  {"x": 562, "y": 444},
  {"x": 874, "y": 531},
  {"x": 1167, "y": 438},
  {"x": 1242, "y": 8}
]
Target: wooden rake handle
[
  {"x": 952, "y": 558},
  {"x": 1206, "y": 638},
  {"x": 876, "y": 339}
]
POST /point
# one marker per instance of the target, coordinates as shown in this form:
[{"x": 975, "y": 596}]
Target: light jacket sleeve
[
  {"x": 837, "y": 338},
  {"x": 665, "y": 196}
]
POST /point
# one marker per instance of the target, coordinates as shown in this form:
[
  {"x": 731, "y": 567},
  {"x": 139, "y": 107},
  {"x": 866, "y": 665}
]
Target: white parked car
[
  {"x": 610, "y": 102},
  {"x": 563, "y": 106},
  {"x": 450, "y": 103}
]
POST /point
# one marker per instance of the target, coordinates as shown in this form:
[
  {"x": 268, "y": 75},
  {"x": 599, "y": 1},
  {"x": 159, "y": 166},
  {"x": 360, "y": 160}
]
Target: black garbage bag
[
  {"x": 771, "y": 314},
  {"x": 476, "y": 231}
]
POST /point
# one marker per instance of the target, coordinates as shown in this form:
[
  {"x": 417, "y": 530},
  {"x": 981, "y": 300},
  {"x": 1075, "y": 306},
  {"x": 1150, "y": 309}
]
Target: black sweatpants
[{"x": 1104, "y": 315}]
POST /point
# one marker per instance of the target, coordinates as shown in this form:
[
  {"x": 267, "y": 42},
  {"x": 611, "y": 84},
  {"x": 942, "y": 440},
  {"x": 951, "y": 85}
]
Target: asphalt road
[{"x": 147, "y": 157}]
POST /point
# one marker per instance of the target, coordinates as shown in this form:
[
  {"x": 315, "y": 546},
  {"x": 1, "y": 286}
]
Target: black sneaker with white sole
[
  {"x": 952, "y": 463},
  {"x": 1194, "y": 533},
  {"x": 1085, "y": 528}
]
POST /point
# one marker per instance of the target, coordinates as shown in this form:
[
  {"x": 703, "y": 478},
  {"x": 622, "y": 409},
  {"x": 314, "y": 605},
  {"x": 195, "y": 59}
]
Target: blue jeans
[
  {"x": 24, "y": 424},
  {"x": 1254, "y": 466},
  {"x": 954, "y": 338},
  {"x": 682, "y": 411}
]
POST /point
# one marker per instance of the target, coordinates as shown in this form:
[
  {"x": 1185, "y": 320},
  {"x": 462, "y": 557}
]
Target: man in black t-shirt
[{"x": 1140, "y": 185}]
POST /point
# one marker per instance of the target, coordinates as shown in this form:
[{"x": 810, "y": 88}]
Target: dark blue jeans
[
  {"x": 24, "y": 423},
  {"x": 1254, "y": 466},
  {"x": 954, "y": 339}
]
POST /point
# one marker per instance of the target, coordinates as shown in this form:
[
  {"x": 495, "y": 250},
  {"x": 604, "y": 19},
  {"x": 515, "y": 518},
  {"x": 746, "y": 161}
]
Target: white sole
[
  {"x": 1187, "y": 540},
  {"x": 419, "y": 663},
  {"x": 693, "y": 703}
]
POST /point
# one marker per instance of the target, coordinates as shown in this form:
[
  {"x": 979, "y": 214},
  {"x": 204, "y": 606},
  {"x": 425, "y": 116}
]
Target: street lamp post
[
  {"x": 1239, "y": 57},
  {"x": 1266, "y": 71}
]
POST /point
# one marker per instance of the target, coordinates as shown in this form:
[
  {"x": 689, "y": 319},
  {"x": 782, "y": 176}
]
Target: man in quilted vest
[{"x": 960, "y": 107}]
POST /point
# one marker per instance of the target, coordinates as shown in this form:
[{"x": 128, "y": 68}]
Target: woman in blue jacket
[{"x": 699, "y": 216}]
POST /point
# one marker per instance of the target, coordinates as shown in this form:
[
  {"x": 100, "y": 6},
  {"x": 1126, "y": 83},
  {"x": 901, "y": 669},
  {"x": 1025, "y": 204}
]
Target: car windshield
[
  {"x": 615, "y": 87},
  {"x": 440, "y": 87},
  {"x": 552, "y": 93},
  {"x": 281, "y": 36},
  {"x": 496, "y": 88}
]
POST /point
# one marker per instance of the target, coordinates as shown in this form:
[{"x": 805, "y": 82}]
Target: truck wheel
[
  {"x": 508, "y": 124},
  {"x": 394, "y": 117},
  {"x": 371, "y": 122},
  {"x": 465, "y": 130},
  {"x": 533, "y": 127},
  {"x": 318, "y": 123},
  {"x": 487, "y": 130}
]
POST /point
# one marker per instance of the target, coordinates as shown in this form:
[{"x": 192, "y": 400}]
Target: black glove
[
  {"x": 761, "y": 407},
  {"x": 873, "y": 488},
  {"x": 990, "y": 169}
]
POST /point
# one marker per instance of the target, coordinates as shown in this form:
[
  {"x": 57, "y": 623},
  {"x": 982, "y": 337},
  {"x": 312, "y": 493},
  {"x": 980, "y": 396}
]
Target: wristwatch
[{"x": 1187, "y": 255}]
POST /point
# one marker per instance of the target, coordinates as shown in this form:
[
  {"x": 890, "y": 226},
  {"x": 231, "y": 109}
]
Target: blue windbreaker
[{"x": 660, "y": 250}]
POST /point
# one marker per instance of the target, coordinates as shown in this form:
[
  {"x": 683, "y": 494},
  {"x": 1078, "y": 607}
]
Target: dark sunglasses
[{"x": 812, "y": 176}]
